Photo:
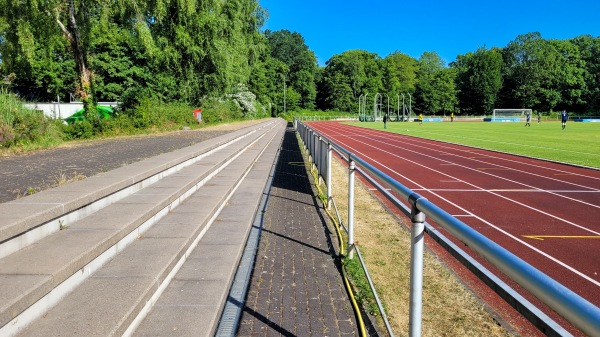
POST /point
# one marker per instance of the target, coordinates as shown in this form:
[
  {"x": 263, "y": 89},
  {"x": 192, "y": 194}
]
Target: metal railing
[{"x": 575, "y": 309}]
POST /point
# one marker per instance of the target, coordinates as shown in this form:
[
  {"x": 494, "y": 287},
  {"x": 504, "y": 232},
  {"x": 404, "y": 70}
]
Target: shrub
[
  {"x": 78, "y": 130},
  {"x": 19, "y": 125},
  {"x": 215, "y": 110}
]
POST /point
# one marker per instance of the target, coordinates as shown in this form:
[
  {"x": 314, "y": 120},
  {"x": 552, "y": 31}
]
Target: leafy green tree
[
  {"x": 35, "y": 50},
  {"x": 435, "y": 90},
  {"x": 267, "y": 82},
  {"x": 589, "y": 51},
  {"x": 534, "y": 70},
  {"x": 347, "y": 76},
  {"x": 339, "y": 93},
  {"x": 200, "y": 48},
  {"x": 400, "y": 73},
  {"x": 301, "y": 62},
  {"x": 570, "y": 74},
  {"x": 479, "y": 80},
  {"x": 118, "y": 61}
]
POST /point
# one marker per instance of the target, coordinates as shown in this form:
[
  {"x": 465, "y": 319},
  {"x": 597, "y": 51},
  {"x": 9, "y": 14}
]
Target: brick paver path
[{"x": 296, "y": 288}]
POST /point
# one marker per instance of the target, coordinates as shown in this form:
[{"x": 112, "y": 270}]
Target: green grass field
[{"x": 578, "y": 143}]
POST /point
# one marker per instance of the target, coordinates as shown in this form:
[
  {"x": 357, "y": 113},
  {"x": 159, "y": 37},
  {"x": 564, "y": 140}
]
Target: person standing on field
[
  {"x": 527, "y": 118},
  {"x": 385, "y": 121},
  {"x": 452, "y": 117},
  {"x": 539, "y": 117},
  {"x": 420, "y": 119},
  {"x": 563, "y": 117}
]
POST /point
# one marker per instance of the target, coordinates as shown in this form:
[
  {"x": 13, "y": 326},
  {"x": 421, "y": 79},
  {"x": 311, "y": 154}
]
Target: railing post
[
  {"x": 351, "y": 171},
  {"x": 315, "y": 150},
  {"x": 320, "y": 162},
  {"x": 329, "y": 193},
  {"x": 416, "y": 267},
  {"x": 310, "y": 146}
]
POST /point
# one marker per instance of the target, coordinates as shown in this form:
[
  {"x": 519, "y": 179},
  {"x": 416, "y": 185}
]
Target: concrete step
[
  {"x": 192, "y": 303},
  {"x": 105, "y": 267},
  {"x": 29, "y": 219}
]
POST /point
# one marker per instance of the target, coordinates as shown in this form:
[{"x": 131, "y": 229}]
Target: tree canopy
[{"x": 189, "y": 51}]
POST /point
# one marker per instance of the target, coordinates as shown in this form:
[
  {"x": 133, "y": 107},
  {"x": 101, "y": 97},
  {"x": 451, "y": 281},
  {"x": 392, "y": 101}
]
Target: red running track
[{"x": 546, "y": 213}]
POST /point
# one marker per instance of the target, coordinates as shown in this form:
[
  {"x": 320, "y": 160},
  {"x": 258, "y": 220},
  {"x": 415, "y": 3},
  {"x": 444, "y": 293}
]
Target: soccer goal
[{"x": 509, "y": 115}]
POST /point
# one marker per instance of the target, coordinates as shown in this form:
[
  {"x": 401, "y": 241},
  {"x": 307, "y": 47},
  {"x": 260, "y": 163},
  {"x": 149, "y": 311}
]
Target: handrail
[{"x": 575, "y": 309}]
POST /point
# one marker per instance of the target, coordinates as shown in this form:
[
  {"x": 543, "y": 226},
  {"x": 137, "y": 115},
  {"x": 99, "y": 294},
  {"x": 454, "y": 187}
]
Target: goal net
[{"x": 509, "y": 114}]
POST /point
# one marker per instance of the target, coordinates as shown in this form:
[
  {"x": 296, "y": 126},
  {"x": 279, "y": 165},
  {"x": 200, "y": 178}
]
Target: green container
[{"x": 103, "y": 112}]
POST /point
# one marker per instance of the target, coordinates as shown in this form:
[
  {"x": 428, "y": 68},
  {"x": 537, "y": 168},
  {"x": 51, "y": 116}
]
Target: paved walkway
[{"x": 296, "y": 288}]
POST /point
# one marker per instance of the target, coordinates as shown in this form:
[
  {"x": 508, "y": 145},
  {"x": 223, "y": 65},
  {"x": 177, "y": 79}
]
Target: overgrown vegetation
[
  {"x": 20, "y": 126},
  {"x": 23, "y": 129}
]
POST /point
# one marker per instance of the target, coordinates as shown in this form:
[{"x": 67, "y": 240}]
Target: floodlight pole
[
  {"x": 359, "y": 100},
  {"x": 398, "y": 104},
  {"x": 375, "y": 105},
  {"x": 365, "y": 107},
  {"x": 409, "y": 106},
  {"x": 403, "y": 108},
  {"x": 284, "y": 90},
  {"x": 388, "y": 104}
]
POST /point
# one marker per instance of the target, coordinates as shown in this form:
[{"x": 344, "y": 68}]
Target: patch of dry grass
[
  {"x": 60, "y": 179},
  {"x": 449, "y": 309},
  {"x": 63, "y": 178}
]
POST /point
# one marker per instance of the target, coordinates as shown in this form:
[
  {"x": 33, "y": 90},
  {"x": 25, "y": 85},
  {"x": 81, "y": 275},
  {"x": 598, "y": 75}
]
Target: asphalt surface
[{"x": 32, "y": 172}]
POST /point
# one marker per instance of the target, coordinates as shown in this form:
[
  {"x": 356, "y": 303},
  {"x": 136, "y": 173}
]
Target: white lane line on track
[
  {"x": 552, "y": 258},
  {"x": 522, "y": 190},
  {"x": 498, "y": 177},
  {"x": 481, "y": 155},
  {"x": 517, "y": 239}
]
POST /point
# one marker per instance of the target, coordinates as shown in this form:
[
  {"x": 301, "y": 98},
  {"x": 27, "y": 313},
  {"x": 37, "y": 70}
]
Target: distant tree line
[
  {"x": 192, "y": 52},
  {"x": 530, "y": 72}
]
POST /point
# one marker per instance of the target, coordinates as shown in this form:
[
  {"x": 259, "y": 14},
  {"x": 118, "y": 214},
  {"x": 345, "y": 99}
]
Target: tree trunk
[{"x": 83, "y": 91}]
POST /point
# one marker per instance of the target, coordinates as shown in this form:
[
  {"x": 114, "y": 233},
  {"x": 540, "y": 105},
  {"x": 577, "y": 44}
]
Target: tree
[
  {"x": 435, "y": 90},
  {"x": 118, "y": 61},
  {"x": 34, "y": 49},
  {"x": 291, "y": 49},
  {"x": 570, "y": 80},
  {"x": 347, "y": 76},
  {"x": 400, "y": 73},
  {"x": 478, "y": 80},
  {"x": 399, "y": 76},
  {"x": 267, "y": 82},
  {"x": 339, "y": 93},
  {"x": 589, "y": 53},
  {"x": 533, "y": 70}
]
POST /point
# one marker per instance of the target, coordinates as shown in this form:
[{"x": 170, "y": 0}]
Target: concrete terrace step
[
  {"x": 30, "y": 219},
  {"x": 192, "y": 303},
  {"x": 152, "y": 230}
]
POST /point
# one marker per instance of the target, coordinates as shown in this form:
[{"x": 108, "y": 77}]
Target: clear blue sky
[{"x": 450, "y": 28}]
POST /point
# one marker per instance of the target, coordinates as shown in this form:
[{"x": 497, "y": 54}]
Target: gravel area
[{"x": 31, "y": 172}]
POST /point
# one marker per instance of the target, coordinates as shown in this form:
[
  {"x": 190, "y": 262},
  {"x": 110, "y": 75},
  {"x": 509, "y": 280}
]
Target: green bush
[
  {"x": 20, "y": 126},
  {"x": 139, "y": 113},
  {"x": 78, "y": 130},
  {"x": 147, "y": 112},
  {"x": 216, "y": 111}
]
